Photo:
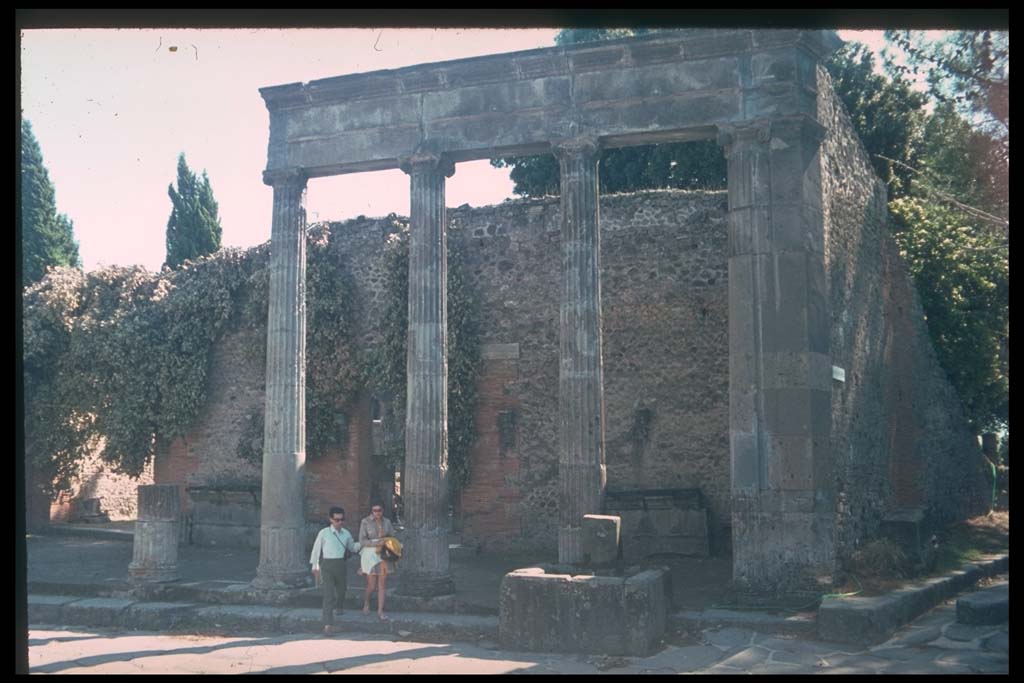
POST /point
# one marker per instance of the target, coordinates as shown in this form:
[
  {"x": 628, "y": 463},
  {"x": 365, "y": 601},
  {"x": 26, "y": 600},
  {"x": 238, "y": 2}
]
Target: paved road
[{"x": 933, "y": 643}]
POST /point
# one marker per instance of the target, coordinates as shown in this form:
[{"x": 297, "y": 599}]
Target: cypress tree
[
  {"x": 193, "y": 230},
  {"x": 47, "y": 237}
]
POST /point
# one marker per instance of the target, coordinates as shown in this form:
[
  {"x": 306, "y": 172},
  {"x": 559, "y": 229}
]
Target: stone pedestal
[
  {"x": 542, "y": 609},
  {"x": 425, "y": 479},
  {"x": 282, "y": 517},
  {"x": 155, "y": 549}
]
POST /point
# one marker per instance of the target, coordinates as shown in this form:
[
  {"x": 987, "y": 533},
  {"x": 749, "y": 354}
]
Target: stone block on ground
[
  {"x": 601, "y": 539},
  {"x": 988, "y": 606},
  {"x": 559, "y": 612}
]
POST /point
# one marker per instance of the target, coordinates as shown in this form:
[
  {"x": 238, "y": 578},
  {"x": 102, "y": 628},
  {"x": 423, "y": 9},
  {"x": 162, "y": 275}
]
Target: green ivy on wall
[
  {"x": 389, "y": 361},
  {"x": 116, "y": 360}
]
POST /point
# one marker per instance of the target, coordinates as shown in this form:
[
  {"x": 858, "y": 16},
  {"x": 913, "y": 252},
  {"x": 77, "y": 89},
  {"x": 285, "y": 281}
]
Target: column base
[
  {"x": 570, "y": 545},
  {"x": 269, "y": 579},
  {"x": 426, "y": 585},
  {"x": 144, "y": 574}
]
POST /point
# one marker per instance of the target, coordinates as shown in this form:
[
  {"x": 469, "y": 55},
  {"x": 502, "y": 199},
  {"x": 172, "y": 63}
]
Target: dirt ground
[{"x": 958, "y": 543}]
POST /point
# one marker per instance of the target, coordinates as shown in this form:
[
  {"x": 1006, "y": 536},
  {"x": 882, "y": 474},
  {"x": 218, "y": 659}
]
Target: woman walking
[{"x": 372, "y": 532}]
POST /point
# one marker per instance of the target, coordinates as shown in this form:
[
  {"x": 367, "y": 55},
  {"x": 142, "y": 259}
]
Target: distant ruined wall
[
  {"x": 899, "y": 437},
  {"x": 665, "y": 351}
]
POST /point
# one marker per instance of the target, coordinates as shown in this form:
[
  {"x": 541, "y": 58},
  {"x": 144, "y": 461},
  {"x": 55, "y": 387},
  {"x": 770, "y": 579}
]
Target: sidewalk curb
[
  {"x": 872, "y": 620},
  {"x": 66, "y": 610}
]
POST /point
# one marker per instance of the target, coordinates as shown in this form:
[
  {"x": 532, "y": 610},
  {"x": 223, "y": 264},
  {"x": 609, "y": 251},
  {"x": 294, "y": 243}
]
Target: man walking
[{"x": 332, "y": 542}]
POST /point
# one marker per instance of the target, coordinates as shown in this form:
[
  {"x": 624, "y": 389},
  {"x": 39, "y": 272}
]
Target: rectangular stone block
[
  {"x": 746, "y": 461},
  {"x": 594, "y": 612},
  {"x": 46, "y": 609},
  {"x": 513, "y": 97},
  {"x": 797, "y": 226},
  {"x": 96, "y": 612},
  {"x": 158, "y": 616},
  {"x": 645, "y": 611},
  {"x": 601, "y": 539},
  {"x": 528, "y": 609},
  {"x": 239, "y": 618},
  {"x": 791, "y": 466}
]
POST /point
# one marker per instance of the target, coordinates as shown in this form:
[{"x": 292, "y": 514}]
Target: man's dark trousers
[{"x": 332, "y": 574}]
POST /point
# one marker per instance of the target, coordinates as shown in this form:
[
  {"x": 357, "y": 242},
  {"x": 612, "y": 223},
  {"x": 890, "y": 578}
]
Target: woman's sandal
[{"x": 383, "y": 617}]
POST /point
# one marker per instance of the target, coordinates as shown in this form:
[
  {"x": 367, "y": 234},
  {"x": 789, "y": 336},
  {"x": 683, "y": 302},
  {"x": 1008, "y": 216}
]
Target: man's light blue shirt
[{"x": 333, "y": 544}]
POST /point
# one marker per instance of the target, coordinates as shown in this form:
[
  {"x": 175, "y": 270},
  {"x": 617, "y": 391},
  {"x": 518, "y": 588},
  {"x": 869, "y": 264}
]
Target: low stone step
[
  {"x": 240, "y": 593},
  {"x": 64, "y": 610},
  {"x": 988, "y": 606}
]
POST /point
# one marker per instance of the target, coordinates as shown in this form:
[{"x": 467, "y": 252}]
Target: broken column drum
[{"x": 155, "y": 549}]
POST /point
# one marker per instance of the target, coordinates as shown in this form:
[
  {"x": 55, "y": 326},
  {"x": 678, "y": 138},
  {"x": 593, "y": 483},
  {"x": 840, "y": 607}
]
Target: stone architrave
[
  {"x": 780, "y": 402},
  {"x": 282, "y": 516},
  {"x": 155, "y": 547},
  {"x": 581, "y": 465},
  {"x": 425, "y": 483}
]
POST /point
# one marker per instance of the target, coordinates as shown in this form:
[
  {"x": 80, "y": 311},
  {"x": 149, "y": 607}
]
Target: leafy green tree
[
  {"x": 969, "y": 69},
  {"x": 962, "y": 274},
  {"x": 47, "y": 237},
  {"x": 193, "y": 230}
]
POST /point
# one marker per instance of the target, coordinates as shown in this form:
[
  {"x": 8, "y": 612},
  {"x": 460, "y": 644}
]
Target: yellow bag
[{"x": 392, "y": 549}]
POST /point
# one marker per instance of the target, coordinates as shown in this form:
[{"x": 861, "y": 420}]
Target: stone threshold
[
  {"x": 192, "y": 618},
  {"x": 872, "y": 620}
]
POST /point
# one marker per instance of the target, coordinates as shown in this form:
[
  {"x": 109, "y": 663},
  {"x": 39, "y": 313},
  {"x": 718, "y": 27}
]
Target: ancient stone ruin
[
  {"x": 767, "y": 338},
  {"x": 762, "y": 94}
]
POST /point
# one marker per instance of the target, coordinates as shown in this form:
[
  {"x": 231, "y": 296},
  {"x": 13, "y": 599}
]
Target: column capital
[
  {"x": 283, "y": 177},
  {"x": 422, "y": 161},
  {"x": 568, "y": 148},
  {"x": 740, "y": 137}
]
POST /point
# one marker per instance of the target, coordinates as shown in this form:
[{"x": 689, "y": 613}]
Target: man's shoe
[{"x": 328, "y": 630}]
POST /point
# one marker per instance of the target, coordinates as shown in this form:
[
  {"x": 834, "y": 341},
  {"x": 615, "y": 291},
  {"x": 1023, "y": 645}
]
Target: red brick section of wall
[
  {"x": 343, "y": 478},
  {"x": 490, "y": 502},
  {"x": 905, "y": 466},
  {"x": 176, "y": 465}
]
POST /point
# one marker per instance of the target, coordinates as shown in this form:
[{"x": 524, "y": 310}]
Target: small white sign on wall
[{"x": 838, "y": 374}]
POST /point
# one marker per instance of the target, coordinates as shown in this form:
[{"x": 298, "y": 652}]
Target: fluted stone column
[
  {"x": 425, "y": 483},
  {"x": 155, "y": 547},
  {"x": 282, "y": 517},
  {"x": 581, "y": 465},
  {"x": 780, "y": 403}
]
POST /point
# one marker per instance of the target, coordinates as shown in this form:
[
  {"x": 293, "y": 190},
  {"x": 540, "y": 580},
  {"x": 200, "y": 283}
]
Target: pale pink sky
[{"x": 113, "y": 108}]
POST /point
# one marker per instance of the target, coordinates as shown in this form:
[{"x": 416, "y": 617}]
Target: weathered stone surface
[
  {"x": 46, "y": 609},
  {"x": 155, "y": 543},
  {"x": 601, "y": 539},
  {"x": 282, "y": 533},
  {"x": 236, "y": 618},
  {"x": 158, "y": 616},
  {"x": 591, "y": 614},
  {"x": 987, "y": 606},
  {"x": 425, "y": 487},
  {"x": 96, "y": 611}
]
